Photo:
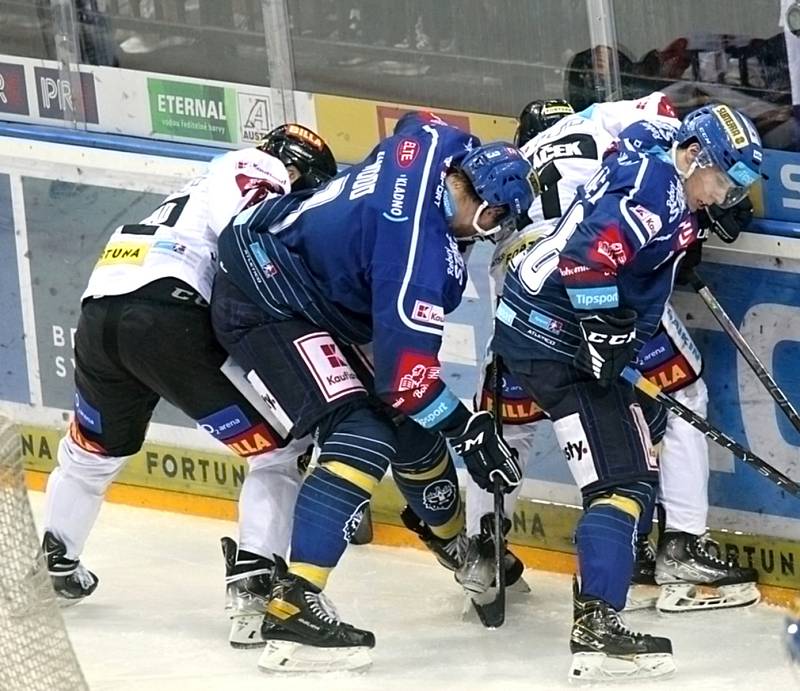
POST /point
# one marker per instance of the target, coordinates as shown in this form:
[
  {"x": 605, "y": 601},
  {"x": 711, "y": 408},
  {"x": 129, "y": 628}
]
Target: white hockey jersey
[
  {"x": 179, "y": 239},
  {"x": 565, "y": 156}
]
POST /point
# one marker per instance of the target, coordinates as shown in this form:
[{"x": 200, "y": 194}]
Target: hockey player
[
  {"x": 564, "y": 158},
  {"x": 537, "y": 116},
  {"x": 305, "y": 282},
  {"x": 670, "y": 358},
  {"x": 144, "y": 334},
  {"x": 575, "y": 309}
]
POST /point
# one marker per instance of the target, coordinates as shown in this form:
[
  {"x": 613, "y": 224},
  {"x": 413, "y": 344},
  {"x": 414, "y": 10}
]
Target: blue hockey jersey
[
  {"x": 369, "y": 257},
  {"x": 618, "y": 245}
]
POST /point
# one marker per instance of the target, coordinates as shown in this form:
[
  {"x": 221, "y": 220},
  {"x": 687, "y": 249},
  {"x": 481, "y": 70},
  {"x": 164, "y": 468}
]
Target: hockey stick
[
  {"x": 701, "y": 424},
  {"x": 493, "y": 613},
  {"x": 744, "y": 348}
]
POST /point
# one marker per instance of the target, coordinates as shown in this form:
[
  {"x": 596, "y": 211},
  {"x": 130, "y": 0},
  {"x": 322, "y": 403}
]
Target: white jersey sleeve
[
  {"x": 179, "y": 238},
  {"x": 615, "y": 116}
]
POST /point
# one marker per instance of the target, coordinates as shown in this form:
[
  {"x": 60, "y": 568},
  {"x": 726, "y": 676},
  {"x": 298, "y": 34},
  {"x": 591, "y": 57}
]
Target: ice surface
[{"x": 156, "y": 623}]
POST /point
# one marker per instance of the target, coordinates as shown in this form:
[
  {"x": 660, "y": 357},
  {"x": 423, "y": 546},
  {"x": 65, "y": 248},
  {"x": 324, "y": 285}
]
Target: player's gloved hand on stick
[
  {"x": 485, "y": 453},
  {"x": 608, "y": 344},
  {"x": 693, "y": 256}
]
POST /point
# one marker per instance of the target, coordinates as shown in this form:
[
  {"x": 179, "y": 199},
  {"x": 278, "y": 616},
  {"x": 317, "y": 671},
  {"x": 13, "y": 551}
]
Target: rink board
[{"x": 59, "y": 203}]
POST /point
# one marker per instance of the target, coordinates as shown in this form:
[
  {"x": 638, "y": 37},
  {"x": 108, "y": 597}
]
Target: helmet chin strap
[{"x": 480, "y": 232}]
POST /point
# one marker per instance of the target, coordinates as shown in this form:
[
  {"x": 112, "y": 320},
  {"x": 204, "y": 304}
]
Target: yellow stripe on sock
[
  {"x": 355, "y": 477},
  {"x": 453, "y": 527},
  {"x": 318, "y": 575},
  {"x": 624, "y": 504},
  {"x": 436, "y": 472}
]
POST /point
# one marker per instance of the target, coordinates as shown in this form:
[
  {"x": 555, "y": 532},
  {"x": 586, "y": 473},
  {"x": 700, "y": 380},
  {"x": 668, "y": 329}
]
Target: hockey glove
[
  {"x": 609, "y": 343},
  {"x": 485, "y": 453},
  {"x": 728, "y": 223},
  {"x": 693, "y": 256}
]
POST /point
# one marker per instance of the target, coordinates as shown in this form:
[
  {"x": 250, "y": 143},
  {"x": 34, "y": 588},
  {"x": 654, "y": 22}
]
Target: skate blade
[
  {"x": 246, "y": 631},
  {"x": 686, "y": 597},
  {"x": 640, "y": 597},
  {"x": 287, "y": 656},
  {"x": 594, "y": 667}
]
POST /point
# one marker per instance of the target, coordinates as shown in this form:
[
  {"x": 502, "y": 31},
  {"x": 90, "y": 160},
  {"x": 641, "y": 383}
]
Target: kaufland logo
[
  {"x": 254, "y": 116},
  {"x": 428, "y": 313}
]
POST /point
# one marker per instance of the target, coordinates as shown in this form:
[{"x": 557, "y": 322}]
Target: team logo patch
[
  {"x": 439, "y": 495},
  {"x": 226, "y": 423},
  {"x": 428, "y": 313},
  {"x": 124, "y": 253},
  {"x": 327, "y": 365},
  {"x": 407, "y": 152},
  {"x": 257, "y": 439},
  {"x": 352, "y": 523}
]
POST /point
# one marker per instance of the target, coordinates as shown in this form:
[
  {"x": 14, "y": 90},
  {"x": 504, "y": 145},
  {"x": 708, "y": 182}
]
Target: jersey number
[
  {"x": 166, "y": 214},
  {"x": 542, "y": 259}
]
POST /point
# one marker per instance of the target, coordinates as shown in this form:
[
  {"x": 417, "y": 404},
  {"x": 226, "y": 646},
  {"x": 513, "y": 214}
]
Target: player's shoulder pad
[{"x": 656, "y": 187}]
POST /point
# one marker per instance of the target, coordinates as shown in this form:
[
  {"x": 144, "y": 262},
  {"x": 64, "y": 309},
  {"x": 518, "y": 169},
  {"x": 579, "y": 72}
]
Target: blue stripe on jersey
[{"x": 443, "y": 405}]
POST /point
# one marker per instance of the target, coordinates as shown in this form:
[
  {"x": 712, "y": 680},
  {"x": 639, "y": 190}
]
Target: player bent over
[
  {"x": 306, "y": 280},
  {"x": 144, "y": 334},
  {"x": 575, "y": 309},
  {"x": 670, "y": 358}
]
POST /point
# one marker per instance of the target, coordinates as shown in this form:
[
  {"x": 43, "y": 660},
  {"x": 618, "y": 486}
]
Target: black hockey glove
[
  {"x": 609, "y": 343},
  {"x": 727, "y": 223},
  {"x": 693, "y": 256},
  {"x": 485, "y": 453}
]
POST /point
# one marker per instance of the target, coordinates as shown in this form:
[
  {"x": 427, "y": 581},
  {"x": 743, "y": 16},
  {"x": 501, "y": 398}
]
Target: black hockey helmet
[
  {"x": 537, "y": 116},
  {"x": 298, "y": 146}
]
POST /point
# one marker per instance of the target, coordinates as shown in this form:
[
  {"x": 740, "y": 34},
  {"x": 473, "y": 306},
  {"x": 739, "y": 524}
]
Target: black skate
[
  {"x": 303, "y": 633},
  {"x": 248, "y": 580},
  {"x": 644, "y": 574},
  {"x": 476, "y": 573},
  {"x": 604, "y": 649},
  {"x": 449, "y": 553},
  {"x": 644, "y": 565},
  {"x": 71, "y": 580},
  {"x": 687, "y": 561}
]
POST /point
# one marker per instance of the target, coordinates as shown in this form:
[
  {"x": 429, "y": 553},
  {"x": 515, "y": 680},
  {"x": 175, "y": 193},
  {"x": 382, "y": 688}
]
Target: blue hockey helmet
[
  {"x": 728, "y": 140},
  {"x": 501, "y": 176}
]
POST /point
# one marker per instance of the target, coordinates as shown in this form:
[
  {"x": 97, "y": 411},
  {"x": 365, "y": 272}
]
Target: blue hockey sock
[
  {"x": 428, "y": 481},
  {"x": 645, "y": 524},
  {"x": 605, "y": 553},
  {"x": 326, "y": 514}
]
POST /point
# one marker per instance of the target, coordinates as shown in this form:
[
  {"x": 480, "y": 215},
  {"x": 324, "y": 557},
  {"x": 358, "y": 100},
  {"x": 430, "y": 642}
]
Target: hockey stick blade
[
  {"x": 702, "y": 425},
  {"x": 492, "y": 613},
  {"x": 746, "y": 351}
]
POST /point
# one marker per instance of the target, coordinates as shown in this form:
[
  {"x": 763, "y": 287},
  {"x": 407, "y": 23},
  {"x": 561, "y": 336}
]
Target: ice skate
[
  {"x": 604, "y": 649},
  {"x": 644, "y": 566},
  {"x": 248, "y": 581},
  {"x": 449, "y": 553},
  {"x": 688, "y": 564},
  {"x": 71, "y": 580},
  {"x": 476, "y": 573},
  {"x": 640, "y": 596},
  {"x": 303, "y": 633}
]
